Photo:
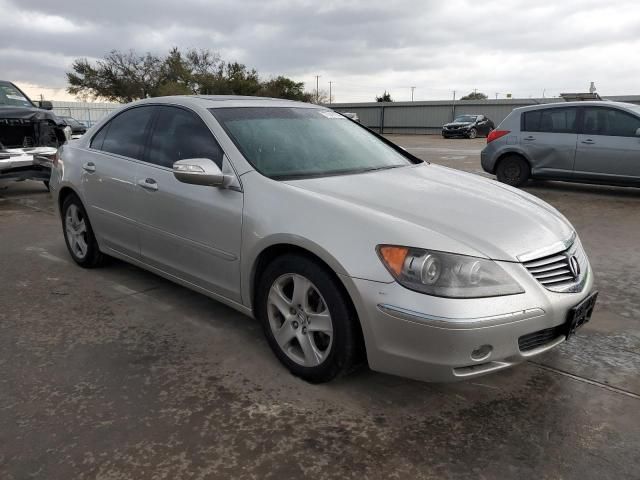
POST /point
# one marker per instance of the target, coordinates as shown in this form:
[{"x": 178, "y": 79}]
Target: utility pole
[
  {"x": 412, "y": 89},
  {"x": 330, "y": 92},
  {"x": 453, "y": 106},
  {"x": 317, "y": 89},
  {"x": 496, "y": 95}
]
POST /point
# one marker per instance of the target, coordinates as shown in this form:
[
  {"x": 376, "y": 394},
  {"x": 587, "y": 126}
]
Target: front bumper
[
  {"x": 438, "y": 339},
  {"x": 26, "y": 163},
  {"x": 458, "y": 132}
]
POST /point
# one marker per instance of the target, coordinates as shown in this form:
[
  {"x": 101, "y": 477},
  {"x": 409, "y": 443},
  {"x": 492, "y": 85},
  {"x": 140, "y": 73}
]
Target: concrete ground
[{"x": 118, "y": 374}]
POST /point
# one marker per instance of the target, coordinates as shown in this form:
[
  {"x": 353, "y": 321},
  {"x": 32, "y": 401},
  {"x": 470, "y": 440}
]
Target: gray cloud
[{"x": 363, "y": 46}]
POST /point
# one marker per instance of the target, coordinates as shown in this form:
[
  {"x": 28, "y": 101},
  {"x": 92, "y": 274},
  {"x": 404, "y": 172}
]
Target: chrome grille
[{"x": 555, "y": 271}]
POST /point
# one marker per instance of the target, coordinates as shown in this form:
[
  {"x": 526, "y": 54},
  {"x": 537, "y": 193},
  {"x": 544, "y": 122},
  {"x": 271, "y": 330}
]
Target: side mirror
[
  {"x": 45, "y": 105},
  {"x": 198, "y": 171},
  {"x": 638, "y": 132}
]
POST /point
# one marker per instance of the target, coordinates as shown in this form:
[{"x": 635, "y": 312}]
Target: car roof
[
  {"x": 586, "y": 103},
  {"x": 222, "y": 101}
]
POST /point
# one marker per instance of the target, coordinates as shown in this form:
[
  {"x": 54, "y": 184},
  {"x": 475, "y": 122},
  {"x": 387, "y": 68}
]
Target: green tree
[
  {"x": 283, "y": 87},
  {"x": 385, "y": 97},
  {"x": 128, "y": 76},
  {"x": 120, "y": 77},
  {"x": 475, "y": 96}
]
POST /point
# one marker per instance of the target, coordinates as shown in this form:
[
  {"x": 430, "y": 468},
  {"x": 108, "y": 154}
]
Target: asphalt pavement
[{"x": 115, "y": 373}]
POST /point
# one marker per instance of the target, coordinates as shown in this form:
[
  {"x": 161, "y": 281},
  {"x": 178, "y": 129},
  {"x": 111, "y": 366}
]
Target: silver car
[
  {"x": 344, "y": 246},
  {"x": 590, "y": 142}
]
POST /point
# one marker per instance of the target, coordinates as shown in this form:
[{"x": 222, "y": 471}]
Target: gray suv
[{"x": 590, "y": 142}]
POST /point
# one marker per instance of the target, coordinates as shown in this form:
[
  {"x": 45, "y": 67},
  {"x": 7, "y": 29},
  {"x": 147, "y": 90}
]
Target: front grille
[
  {"x": 555, "y": 272},
  {"x": 534, "y": 340}
]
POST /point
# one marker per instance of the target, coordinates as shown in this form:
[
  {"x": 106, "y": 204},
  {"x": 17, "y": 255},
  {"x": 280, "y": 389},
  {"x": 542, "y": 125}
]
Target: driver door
[{"x": 191, "y": 232}]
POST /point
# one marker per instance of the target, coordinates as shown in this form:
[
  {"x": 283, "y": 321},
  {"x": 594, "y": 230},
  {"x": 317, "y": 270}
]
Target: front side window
[
  {"x": 465, "y": 119},
  {"x": 609, "y": 121},
  {"x": 125, "y": 134},
  {"x": 550, "y": 120},
  {"x": 291, "y": 142},
  {"x": 180, "y": 134}
]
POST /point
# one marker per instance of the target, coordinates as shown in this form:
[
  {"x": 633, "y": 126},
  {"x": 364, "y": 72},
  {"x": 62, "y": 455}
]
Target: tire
[
  {"x": 307, "y": 320},
  {"x": 513, "y": 170},
  {"x": 473, "y": 133},
  {"x": 78, "y": 234}
]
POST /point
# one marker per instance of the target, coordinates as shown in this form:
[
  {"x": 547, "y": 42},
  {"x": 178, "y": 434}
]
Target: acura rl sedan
[{"x": 344, "y": 246}]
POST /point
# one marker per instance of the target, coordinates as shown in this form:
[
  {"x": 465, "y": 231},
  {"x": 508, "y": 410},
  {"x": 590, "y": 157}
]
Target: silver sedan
[{"x": 343, "y": 245}]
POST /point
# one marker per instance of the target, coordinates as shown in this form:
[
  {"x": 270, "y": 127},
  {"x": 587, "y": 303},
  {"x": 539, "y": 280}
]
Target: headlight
[{"x": 446, "y": 274}]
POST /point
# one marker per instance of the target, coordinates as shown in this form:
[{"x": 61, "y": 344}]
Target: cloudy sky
[{"x": 362, "y": 46}]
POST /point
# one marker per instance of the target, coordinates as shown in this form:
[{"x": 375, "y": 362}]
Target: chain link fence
[{"x": 84, "y": 112}]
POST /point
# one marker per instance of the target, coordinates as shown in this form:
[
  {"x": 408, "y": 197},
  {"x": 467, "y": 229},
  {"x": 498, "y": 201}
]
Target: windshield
[
  {"x": 285, "y": 142},
  {"x": 465, "y": 119},
  {"x": 11, "y": 96}
]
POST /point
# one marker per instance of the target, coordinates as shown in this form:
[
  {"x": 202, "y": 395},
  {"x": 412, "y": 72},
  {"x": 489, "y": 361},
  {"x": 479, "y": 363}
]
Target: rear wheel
[
  {"x": 78, "y": 234},
  {"x": 306, "y": 319},
  {"x": 473, "y": 133},
  {"x": 513, "y": 170}
]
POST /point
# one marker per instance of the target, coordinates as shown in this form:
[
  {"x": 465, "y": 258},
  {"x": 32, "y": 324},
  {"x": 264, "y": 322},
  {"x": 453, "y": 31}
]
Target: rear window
[{"x": 550, "y": 120}]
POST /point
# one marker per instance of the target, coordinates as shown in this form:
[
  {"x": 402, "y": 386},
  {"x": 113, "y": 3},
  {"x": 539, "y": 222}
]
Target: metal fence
[
  {"x": 428, "y": 117},
  {"x": 86, "y": 112}
]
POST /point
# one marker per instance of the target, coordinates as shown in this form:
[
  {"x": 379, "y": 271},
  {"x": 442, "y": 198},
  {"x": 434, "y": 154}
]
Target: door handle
[
  {"x": 588, "y": 141},
  {"x": 529, "y": 138},
  {"x": 89, "y": 167},
  {"x": 148, "y": 184}
]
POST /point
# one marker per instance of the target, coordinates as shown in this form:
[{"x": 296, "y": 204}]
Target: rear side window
[
  {"x": 611, "y": 122},
  {"x": 125, "y": 134},
  {"x": 180, "y": 134},
  {"x": 551, "y": 120}
]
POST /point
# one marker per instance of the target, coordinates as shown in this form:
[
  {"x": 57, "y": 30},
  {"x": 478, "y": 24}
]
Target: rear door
[
  {"x": 109, "y": 179},
  {"x": 192, "y": 232},
  {"x": 548, "y": 137},
  {"x": 608, "y": 147}
]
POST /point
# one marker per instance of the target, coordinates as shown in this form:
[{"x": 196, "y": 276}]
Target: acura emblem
[{"x": 574, "y": 266}]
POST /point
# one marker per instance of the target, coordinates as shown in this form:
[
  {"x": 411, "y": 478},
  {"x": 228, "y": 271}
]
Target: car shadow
[{"x": 570, "y": 187}]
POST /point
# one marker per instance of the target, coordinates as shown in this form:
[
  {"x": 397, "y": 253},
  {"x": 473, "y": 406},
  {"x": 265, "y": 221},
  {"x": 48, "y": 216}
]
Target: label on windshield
[{"x": 335, "y": 115}]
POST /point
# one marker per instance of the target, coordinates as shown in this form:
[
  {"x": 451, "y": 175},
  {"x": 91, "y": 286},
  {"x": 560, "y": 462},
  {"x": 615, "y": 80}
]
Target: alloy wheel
[
  {"x": 300, "y": 320},
  {"x": 76, "y": 231}
]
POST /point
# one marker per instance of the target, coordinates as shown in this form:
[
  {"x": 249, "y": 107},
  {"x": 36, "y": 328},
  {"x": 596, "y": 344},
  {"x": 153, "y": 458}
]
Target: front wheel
[
  {"x": 513, "y": 170},
  {"x": 306, "y": 318},
  {"x": 473, "y": 133}
]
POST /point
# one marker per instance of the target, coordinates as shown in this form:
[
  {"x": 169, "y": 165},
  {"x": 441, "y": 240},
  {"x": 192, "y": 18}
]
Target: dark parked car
[
  {"x": 77, "y": 128},
  {"x": 29, "y": 136},
  {"x": 469, "y": 126}
]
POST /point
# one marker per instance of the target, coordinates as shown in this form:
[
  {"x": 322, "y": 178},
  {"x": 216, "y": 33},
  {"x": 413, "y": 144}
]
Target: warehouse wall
[{"x": 428, "y": 117}]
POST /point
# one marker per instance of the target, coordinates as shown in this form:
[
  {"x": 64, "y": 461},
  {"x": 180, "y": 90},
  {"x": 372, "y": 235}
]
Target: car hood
[
  {"x": 493, "y": 219},
  {"x": 32, "y": 114},
  {"x": 458, "y": 124}
]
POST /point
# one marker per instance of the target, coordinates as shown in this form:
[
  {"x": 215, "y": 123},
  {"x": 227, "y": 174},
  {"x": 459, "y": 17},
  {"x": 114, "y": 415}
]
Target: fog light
[{"x": 481, "y": 352}]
